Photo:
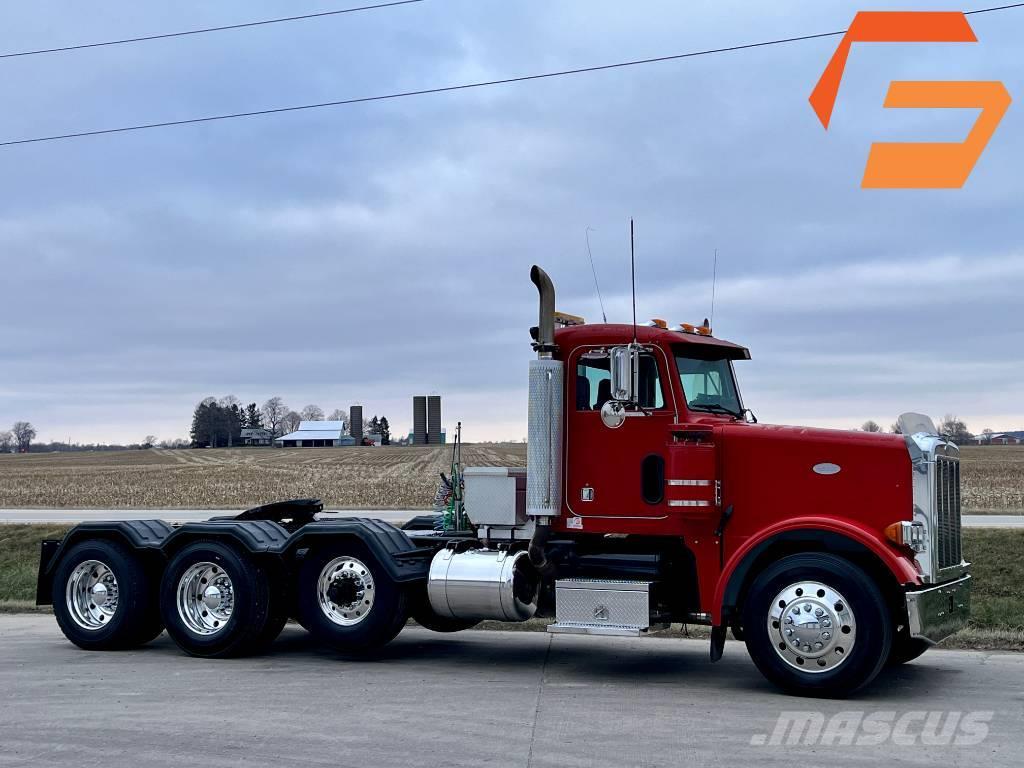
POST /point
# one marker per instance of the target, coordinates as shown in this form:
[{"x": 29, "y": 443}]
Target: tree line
[
  {"x": 951, "y": 426},
  {"x": 218, "y": 423}
]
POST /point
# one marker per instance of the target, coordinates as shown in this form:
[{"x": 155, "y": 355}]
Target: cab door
[{"x": 621, "y": 472}]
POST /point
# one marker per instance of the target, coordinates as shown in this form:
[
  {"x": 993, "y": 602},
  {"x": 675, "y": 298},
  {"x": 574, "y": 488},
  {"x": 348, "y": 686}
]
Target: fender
[{"x": 731, "y": 578}]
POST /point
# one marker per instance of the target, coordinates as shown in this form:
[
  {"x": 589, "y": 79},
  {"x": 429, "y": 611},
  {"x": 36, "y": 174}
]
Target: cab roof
[{"x": 622, "y": 333}]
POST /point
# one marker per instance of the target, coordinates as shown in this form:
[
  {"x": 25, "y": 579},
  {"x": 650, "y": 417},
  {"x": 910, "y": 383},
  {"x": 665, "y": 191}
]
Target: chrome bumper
[{"x": 937, "y": 612}]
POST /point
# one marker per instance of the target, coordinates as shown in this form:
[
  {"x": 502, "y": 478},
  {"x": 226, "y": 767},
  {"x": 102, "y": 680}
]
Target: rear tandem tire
[
  {"x": 361, "y": 608},
  {"x": 135, "y": 619},
  {"x": 831, "y": 656},
  {"x": 237, "y": 615}
]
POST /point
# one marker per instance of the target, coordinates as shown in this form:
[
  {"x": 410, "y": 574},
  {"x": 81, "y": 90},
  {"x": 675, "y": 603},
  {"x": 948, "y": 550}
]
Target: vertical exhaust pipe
[{"x": 546, "y": 411}]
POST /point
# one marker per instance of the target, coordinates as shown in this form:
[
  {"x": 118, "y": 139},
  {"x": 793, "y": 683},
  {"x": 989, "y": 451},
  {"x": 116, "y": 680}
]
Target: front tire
[
  {"x": 217, "y": 602},
  {"x": 104, "y": 598},
  {"x": 817, "y": 625},
  {"x": 346, "y": 599}
]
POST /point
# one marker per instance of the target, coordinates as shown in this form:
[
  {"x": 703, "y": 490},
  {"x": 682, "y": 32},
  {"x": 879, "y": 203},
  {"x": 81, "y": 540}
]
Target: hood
[{"x": 786, "y": 472}]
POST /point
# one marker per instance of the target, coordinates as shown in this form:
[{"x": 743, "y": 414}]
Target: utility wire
[
  {"x": 204, "y": 30},
  {"x": 448, "y": 88}
]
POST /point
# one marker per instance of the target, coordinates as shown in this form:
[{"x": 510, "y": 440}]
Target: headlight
[{"x": 908, "y": 535}]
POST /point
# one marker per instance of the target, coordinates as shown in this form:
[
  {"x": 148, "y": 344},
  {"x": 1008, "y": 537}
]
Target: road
[
  {"x": 472, "y": 699},
  {"x": 396, "y": 516},
  {"x": 173, "y": 515}
]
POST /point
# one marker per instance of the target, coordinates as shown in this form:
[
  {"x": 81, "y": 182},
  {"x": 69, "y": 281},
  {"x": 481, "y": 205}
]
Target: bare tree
[
  {"x": 870, "y": 426},
  {"x": 338, "y": 415},
  {"x": 312, "y": 413},
  {"x": 24, "y": 434},
  {"x": 229, "y": 400},
  {"x": 6, "y": 442},
  {"x": 274, "y": 410},
  {"x": 896, "y": 429},
  {"x": 290, "y": 422},
  {"x": 149, "y": 441},
  {"x": 986, "y": 435},
  {"x": 954, "y": 428}
]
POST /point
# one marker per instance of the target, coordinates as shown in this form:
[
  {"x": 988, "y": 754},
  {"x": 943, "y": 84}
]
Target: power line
[
  {"x": 204, "y": 30},
  {"x": 448, "y": 88}
]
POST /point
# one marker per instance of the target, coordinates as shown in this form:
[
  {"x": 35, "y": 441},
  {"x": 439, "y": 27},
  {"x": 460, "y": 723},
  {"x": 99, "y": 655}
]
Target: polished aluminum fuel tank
[{"x": 480, "y": 584}]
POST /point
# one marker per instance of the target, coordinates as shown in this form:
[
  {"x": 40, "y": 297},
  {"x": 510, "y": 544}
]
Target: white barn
[{"x": 316, "y": 434}]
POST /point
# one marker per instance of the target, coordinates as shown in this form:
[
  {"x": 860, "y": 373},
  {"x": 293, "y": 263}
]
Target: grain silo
[
  {"x": 434, "y": 419},
  {"x": 419, "y": 420},
  {"x": 355, "y": 423}
]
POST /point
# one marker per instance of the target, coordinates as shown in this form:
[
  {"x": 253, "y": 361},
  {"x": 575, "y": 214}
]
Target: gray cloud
[{"x": 367, "y": 253}]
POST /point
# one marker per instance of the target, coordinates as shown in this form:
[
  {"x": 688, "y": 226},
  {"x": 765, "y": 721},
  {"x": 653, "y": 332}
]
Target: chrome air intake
[{"x": 483, "y": 584}]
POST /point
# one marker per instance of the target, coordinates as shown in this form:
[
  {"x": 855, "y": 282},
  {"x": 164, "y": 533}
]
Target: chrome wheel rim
[
  {"x": 206, "y": 598},
  {"x": 812, "y": 627},
  {"x": 91, "y": 594},
  {"x": 345, "y": 591}
]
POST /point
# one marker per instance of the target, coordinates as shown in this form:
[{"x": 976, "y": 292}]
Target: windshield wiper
[{"x": 717, "y": 408}]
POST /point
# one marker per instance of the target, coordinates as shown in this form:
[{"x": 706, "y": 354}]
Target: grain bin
[
  {"x": 355, "y": 423},
  {"x": 434, "y": 419},
  {"x": 419, "y": 420}
]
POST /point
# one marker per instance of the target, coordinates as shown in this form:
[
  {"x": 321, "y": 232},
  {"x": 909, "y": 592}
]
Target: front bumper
[{"x": 937, "y": 612}]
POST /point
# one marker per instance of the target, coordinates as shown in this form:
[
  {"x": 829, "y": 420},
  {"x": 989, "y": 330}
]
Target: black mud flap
[{"x": 717, "y": 642}]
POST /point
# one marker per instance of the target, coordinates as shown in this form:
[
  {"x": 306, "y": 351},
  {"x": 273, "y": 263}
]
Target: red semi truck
[{"x": 651, "y": 496}]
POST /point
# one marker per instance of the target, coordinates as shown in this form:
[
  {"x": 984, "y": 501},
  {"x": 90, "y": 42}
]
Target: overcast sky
[{"x": 367, "y": 253}]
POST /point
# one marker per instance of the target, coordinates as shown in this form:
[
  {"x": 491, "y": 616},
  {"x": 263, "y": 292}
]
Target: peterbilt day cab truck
[{"x": 651, "y": 496}]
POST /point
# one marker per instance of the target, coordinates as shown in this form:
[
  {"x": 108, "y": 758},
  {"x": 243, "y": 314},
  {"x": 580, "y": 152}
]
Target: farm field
[
  {"x": 350, "y": 478},
  {"x": 234, "y": 478}
]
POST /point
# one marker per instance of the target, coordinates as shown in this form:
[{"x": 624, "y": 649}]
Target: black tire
[
  {"x": 135, "y": 620},
  {"x": 248, "y": 625},
  {"x": 376, "y": 627},
  {"x": 906, "y": 648},
  {"x": 872, "y": 630}
]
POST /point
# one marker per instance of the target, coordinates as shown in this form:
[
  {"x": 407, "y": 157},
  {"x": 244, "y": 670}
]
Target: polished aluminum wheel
[
  {"x": 206, "y": 598},
  {"x": 91, "y": 594},
  {"x": 345, "y": 591},
  {"x": 812, "y": 627}
]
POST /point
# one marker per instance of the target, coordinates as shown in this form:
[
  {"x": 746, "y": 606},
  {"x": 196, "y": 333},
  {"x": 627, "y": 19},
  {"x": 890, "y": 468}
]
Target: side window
[
  {"x": 650, "y": 383},
  {"x": 593, "y": 381}
]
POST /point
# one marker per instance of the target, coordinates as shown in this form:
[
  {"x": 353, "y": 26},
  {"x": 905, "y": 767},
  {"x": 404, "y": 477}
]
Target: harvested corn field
[
  {"x": 233, "y": 478},
  {"x": 993, "y": 479}
]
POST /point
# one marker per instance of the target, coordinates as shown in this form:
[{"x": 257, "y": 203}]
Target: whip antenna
[
  {"x": 604, "y": 317},
  {"x": 714, "y": 280},
  {"x": 632, "y": 274}
]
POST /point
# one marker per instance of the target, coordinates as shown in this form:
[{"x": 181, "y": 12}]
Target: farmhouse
[
  {"x": 316, "y": 434},
  {"x": 257, "y": 436}
]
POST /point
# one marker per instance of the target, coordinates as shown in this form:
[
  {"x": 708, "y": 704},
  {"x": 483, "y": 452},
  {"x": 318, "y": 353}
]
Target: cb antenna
[
  {"x": 714, "y": 280},
  {"x": 604, "y": 317},
  {"x": 632, "y": 273}
]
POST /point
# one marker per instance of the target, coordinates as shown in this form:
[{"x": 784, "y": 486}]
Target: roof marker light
[
  {"x": 687, "y": 328},
  {"x": 657, "y": 322}
]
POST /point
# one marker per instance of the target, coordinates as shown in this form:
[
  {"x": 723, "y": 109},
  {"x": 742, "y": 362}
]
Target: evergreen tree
[
  {"x": 385, "y": 431},
  {"x": 253, "y": 419}
]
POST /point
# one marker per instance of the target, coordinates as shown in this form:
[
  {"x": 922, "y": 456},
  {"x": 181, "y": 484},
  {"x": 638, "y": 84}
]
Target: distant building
[
  {"x": 999, "y": 438},
  {"x": 316, "y": 434},
  {"x": 426, "y": 421},
  {"x": 258, "y": 436}
]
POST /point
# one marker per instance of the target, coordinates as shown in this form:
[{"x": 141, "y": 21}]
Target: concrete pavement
[
  {"x": 70, "y": 516},
  {"x": 396, "y": 516},
  {"x": 472, "y": 699}
]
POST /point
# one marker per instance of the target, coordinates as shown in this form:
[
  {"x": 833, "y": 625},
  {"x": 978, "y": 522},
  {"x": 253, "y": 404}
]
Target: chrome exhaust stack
[{"x": 544, "y": 433}]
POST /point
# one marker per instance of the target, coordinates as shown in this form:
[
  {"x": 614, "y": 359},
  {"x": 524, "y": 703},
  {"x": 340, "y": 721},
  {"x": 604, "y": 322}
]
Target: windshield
[{"x": 709, "y": 385}]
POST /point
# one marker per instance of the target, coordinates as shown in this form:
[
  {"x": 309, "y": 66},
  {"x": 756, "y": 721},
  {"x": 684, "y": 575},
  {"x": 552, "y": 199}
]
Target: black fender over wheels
[
  {"x": 906, "y": 648},
  {"x": 816, "y": 624},
  {"x": 104, "y": 598},
  {"x": 218, "y": 602},
  {"x": 347, "y": 600}
]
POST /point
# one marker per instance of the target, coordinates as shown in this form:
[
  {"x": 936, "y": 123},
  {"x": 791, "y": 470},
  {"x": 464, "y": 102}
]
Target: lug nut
[
  {"x": 818, "y": 646},
  {"x": 789, "y": 619},
  {"x": 807, "y": 607},
  {"x": 826, "y": 635},
  {"x": 818, "y": 612}
]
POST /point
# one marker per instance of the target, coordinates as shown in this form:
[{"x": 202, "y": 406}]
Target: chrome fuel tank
[{"x": 480, "y": 584}]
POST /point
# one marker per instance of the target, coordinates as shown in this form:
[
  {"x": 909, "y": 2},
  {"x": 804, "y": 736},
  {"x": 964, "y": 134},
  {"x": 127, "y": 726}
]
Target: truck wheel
[
  {"x": 216, "y": 602},
  {"x": 816, "y": 624},
  {"x": 347, "y": 600},
  {"x": 103, "y": 598}
]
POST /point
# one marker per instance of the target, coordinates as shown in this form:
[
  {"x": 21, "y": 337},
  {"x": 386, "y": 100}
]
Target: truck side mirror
[{"x": 625, "y": 368}]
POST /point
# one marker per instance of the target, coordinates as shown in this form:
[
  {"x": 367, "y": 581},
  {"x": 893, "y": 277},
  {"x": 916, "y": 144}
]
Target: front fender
[{"x": 810, "y": 528}]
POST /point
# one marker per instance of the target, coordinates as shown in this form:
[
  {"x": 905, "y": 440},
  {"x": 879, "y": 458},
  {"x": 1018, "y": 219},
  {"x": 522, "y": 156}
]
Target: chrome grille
[{"x": 947, "y": 512}]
